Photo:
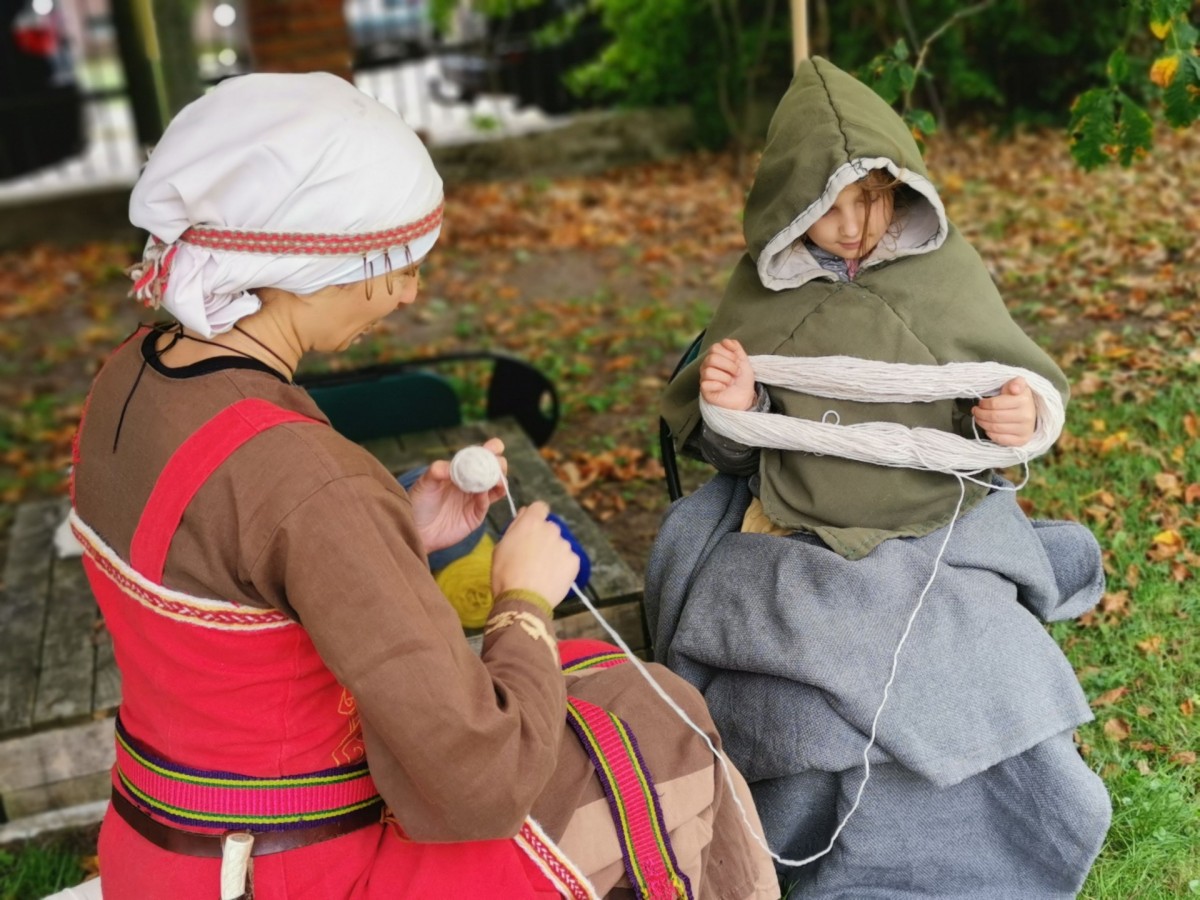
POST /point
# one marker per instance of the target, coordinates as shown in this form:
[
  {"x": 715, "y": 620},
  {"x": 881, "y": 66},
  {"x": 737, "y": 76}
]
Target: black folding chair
[
  {"x": 412, "y": 395},
  {"x": 666, "y": 443}
]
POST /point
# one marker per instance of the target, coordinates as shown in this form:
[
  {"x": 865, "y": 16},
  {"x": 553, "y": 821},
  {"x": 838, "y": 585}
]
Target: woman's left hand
[{"x": 444, "y": 514}]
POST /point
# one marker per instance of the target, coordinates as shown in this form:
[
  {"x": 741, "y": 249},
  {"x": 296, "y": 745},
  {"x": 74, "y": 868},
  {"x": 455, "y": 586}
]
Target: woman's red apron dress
[{"x": 231, "y": 722}]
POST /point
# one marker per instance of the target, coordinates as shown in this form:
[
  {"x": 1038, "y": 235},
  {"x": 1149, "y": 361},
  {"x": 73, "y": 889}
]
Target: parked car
[
  {"x": 512, "y": 58},
  {"x": 389, "y": 30},
  {"x": 41, "y": 107}
]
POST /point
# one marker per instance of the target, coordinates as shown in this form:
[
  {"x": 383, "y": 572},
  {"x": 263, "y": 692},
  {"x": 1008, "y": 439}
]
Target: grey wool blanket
[{"x": 975, "y": 788}]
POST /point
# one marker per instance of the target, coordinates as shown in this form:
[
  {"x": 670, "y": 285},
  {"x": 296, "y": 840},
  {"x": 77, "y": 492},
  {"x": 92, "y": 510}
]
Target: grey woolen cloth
[{"x": 792, "y": 644}]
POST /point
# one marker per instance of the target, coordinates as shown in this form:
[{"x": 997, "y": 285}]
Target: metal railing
[{"x": 480, "y": 83}]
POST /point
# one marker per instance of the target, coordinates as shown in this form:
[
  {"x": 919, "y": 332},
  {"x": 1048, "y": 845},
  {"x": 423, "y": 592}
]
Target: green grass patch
[
  {"x": 32, "y": 870},
  {"x": 1124, "y": 467}
]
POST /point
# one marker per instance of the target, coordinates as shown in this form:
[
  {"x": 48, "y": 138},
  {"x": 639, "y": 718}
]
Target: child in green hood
[
  {"x": 975, "y": 786},
  {"x": 845, "y": 235},
  {"x": 849, "y": 253}
]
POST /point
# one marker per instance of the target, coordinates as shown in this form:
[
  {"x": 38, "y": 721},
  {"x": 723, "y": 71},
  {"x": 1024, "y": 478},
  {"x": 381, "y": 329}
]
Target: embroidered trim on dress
[
  {"x": 569, "y": 881},
  {"x": 217, "y": 614}
]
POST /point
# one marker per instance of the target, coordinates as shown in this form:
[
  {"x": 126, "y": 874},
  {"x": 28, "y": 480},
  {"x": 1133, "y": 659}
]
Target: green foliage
[
  {"x": 684, "y": 52},
  {"x": 1017, "y": 61},
  {"x": 890, "y": 73},
  {"x": 1011, "y": 53},
  {"x": 1181, "y": 98},
  {"x": 893, "y": 77},
  {"x": 1110, "y": 124},
  {"x": 442, "y": 10},
  {"x": 1012, "y": 62}
]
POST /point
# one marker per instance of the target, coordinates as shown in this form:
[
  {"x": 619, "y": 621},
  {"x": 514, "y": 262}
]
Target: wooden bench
[{"x": 59, "y": 686}]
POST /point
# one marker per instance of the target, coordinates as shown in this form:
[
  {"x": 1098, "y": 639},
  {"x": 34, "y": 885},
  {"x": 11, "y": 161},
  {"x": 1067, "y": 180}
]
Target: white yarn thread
[
  {"x": 888, "y": 443},
  {"x": 666, "y": 698},
  {"x": 882, "y": 443},
  {"x": 475, "y": 470}
]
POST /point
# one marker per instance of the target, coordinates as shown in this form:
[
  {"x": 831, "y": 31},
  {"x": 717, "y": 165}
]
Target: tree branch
[{"x": 937, "y": 33}]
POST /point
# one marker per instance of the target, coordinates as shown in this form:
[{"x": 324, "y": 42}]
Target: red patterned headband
[{"x": 298, "y": 243}]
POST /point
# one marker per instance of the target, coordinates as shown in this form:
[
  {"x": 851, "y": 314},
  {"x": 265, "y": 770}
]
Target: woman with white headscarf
[{"x": 290, "y": 671}]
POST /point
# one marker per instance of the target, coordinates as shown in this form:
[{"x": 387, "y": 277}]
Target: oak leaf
[
  {"x": 1110, "y": 697},
  {"x": 1151, "y": 645},
  {"x": 1117, "y": 729}
]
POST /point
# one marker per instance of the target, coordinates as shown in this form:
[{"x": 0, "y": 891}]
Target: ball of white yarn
[{"x": 475, "y": 470}]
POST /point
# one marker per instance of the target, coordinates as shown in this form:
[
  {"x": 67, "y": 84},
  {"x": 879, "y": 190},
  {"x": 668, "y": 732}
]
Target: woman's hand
[
  {"x": 534, "y": 556},
  {"x": 1010, "y": 417},
  {"x": 443, "y": 513},
  {"x": 726, "y": 376}
]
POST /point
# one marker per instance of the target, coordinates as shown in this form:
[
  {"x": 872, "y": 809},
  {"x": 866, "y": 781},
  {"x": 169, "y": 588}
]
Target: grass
[
  {"x": 37, "y": 868},
  {"x": 1124, "y": 466}
]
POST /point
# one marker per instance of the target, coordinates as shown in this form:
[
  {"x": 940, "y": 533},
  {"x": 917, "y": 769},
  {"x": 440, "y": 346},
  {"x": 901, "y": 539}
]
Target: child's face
[{"x": 846, "y": 229}]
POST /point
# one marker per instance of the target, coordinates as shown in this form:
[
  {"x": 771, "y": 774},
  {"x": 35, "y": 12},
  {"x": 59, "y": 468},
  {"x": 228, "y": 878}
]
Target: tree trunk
[
  {"x": 137, "y": 45},
  {"x": 180, "y": 70},
  {"x": 290, "y": 36}
]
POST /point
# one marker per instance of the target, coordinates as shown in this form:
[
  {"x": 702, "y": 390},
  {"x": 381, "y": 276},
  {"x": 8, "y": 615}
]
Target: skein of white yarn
[
  {"x": 888, "y": 443},
  {"x": 475, "y": 470}
]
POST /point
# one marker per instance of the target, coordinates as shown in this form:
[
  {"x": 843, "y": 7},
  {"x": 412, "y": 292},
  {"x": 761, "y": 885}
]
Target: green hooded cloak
[{"x": 923, "y": 297}]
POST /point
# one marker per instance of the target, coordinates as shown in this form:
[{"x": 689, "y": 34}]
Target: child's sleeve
[{"x": 725, "y": 454}]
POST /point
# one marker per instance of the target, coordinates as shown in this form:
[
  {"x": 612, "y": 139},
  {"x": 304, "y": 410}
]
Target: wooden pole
[
  {"x": 137, "y": 44},
  {"x": 799, "y": 31}
]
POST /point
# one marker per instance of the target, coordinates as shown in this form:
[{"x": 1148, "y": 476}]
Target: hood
[{"x": 829, "y": 131}]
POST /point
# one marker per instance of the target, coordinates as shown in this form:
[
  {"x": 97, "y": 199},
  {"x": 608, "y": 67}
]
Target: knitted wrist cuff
[{"x": 533, "y": 598}]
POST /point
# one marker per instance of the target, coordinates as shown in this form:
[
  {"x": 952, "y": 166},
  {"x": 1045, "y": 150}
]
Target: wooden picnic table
[{"x": 59, "y": 685}]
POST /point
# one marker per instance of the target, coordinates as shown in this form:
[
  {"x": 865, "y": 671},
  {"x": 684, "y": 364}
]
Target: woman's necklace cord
[{"x": 290, "y": 369}]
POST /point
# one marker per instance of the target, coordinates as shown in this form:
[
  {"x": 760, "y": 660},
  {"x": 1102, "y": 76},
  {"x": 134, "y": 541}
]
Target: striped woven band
[
  {"x": 227, "y": 801},
  {"x": 298, "y": 243},
  {"x": 650, "y": 863},
  {"x": 595, "y": 661}
]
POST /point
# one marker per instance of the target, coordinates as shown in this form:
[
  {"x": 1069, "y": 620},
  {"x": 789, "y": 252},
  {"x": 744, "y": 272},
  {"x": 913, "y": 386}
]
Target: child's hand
[
  {"x": 444, "y": 515},
  {"x": 1010, "y": 417},
  {"x": 726, "y": 376}
]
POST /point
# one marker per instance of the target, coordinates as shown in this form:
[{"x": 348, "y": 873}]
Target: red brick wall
[{"x": 299, "y": 36}]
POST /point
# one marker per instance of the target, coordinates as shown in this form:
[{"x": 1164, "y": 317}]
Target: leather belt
[{"x": 190, "y": 843}]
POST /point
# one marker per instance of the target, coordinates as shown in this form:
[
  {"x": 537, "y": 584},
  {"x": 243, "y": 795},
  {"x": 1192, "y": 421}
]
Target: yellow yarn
[{"x": 467, "y": 584}]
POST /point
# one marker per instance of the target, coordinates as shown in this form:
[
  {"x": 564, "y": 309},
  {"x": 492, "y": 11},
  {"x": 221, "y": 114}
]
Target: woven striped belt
[
  {"x": 650, "y": 864},
  {"x": 321, "y": 802}
]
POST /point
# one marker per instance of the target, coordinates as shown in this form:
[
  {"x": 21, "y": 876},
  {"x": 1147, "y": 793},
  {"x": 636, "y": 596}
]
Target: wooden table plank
[
  {"x": 56, "y": 768},
  {"x": 530, "y": 478},
  {"x": 387, "y": 451},
  {"x": 23, "y": 610},
  {"x": 65, "y": 685},
  {"x": 613, "y": 583},
  {"x": 421, "y": 449}
]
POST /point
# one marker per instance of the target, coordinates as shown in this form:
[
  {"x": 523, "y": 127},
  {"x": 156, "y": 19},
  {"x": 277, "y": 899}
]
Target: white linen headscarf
[{"x": 311, "y": 180}]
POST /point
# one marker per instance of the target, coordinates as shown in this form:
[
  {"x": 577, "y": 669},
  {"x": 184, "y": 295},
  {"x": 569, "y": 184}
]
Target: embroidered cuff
[
  {"x": 533, "y": 598},
  {"x": 532, "y": 625}
]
